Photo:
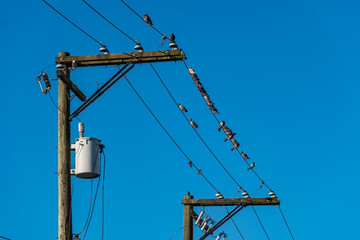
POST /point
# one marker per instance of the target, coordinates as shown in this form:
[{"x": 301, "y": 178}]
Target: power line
[
  {"x": 197, "y": 133},
  {"x": 152, "y": 26},
  {"x": 176, "y": 103},
  {"x": 218, "y": 121},
  {"x": 260, "y": 222},
  {"x": 282, "y": 214},
  {"x": 109, "y": 21},
  {"x": 87, "y": 34},
  {"x": 169, "y": 135},
  {"x": 103, "y": 203},
  {"x": 5, "y": 238},
  {"x": 247, "y": 164}
]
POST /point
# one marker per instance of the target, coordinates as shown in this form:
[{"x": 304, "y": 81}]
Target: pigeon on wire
[
  {"x": 221, "y": 125},
  {"x": 244, "y": 155},
  {"x": 251, "y": 166},
  {"x": 193, "y": 124},
  {"x": 236, "y": 144},
  {"x": 147, "y": 20},
  {"x": 182, "y": 108},
  {"x": 230, "y": 136},
  {"x": 190, "y": 163},
  {"x": 172, "y": 38},
  {"x": 199, "y": 171}
]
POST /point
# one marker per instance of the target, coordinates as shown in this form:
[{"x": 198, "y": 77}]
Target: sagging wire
[
  {"x": 282, "y": 214},
  {"x": 229, "y": 136},
  {"x": 132, "y": 39},
  {"x": 260, "y": 222},
  {"x": 183, "y": 110},
  {"x": 87, "y": 34},
  {"x": 146, "y": 19},
  {"x": 103, "y": 198},
  {"x": 190, "y": 162}
]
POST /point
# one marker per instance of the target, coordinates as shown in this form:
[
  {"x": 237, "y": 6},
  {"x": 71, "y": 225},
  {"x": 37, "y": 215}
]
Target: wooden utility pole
[
  {"x": 64, "y": 159},
  {"x": 65, "y": 85},
  {"x": 188, "y": 219},
  {"x": 189, "y": 214}
]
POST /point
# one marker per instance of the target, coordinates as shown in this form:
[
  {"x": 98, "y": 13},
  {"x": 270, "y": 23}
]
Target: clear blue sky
[{"x": 283, "y": 74}]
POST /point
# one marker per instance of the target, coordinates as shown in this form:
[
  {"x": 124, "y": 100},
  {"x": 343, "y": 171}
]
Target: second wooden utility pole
[
  {"x": 64, "y": 158},
  {"x": 188, "y": 219}
]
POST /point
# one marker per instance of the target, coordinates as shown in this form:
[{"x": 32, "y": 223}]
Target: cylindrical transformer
[{"x": 87, "y": 157}]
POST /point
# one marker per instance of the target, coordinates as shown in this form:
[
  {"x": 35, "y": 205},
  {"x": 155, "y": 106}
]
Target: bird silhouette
[
  {"x": 244, "y": 155},
  {"x": 147, "y": 20},
  {"x": 251, "y": 166},
  {"x": 182, "y": 108},
  {"x": 193, "y": 124},
  {"x": 235, "y": 146},
  {"x": 172, "y": 38},
  {"x": 221, "y": 125},
  {"x": 230, "y": 136}
]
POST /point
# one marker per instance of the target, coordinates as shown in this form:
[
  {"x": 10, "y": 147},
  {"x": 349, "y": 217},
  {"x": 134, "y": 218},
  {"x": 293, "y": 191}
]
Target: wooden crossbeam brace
[
  {"x": 61, "y": 75},
  {"x": 231, "y": 202},
  {"x": 122, "y": 58}
]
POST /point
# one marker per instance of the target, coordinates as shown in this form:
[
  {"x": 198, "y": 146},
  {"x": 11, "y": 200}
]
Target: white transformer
[{"x": 87, "y": 157}]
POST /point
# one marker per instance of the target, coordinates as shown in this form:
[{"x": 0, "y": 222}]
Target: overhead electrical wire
[
  {"x": 109, "y": 21},
  {"x": 260, "y": 222},
  {"x": 251, "y": 169},
  {"x": 165, "y": 37},
  {"x": 87, "y": 34},
  {"x": 137, "y": 14},
  {"x": 172, "y": 139},
  {"x": 282, "y": 214},
  {"x": 218, "y": 121},
  {"x": 197, "y": 133},
  {"x": 103, "y": 199}
]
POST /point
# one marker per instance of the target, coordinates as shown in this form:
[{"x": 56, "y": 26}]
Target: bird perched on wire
[
  {"x": 221, "y": 125},
  {"x": 193, "y": 124},
  {"x": 236, "y": 144},
  {"x": 251, "y": 166},
  {"x": 182, "y": 108},
  {"x": 147, "y": 20},
  {"x": 230, "y": 136},
  {"x": 172, "y": 38},
  {"x": 244, "y": 155}
]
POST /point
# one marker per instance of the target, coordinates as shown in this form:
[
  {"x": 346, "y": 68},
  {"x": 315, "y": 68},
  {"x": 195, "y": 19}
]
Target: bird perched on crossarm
[
  {"x": 172, "y": 38},
  {"x": 147, "y": 20}
]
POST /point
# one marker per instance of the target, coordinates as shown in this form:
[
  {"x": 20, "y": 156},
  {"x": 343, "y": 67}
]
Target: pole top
[
  {"x": 64, "y": 54},
  {"x": 188, "y": 196}
]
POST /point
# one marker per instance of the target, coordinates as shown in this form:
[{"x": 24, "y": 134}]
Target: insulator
[
  {"x": 73, "y": 65},
  {"x": 272, "y": 194},
  {"x": 104, "y": 50},
  {"x": 245, "y": 194},
  {"x": 81, "y": 129},
  {"x": 219, "y": 195},
  {"x": 138, "y": 47},
  {"x": 199, "y": 217},
  {"x": 46, "y": 81},
  {"x": 60, "y": 66},
  {"x": 206, "y": 220},
  {"x": 173, "y": 45},
  {"x": 220, "y": 234},
  {"x": 212, "y": 222}
]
